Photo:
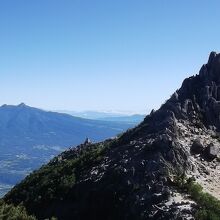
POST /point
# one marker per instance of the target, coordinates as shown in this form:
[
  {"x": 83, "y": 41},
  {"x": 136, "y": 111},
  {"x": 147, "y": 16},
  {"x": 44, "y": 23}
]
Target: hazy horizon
[{"x": 114, "y": 111}]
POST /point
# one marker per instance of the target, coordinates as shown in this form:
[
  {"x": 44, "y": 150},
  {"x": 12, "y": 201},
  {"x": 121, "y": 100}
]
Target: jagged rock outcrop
[{"x": 131, "y": 177}]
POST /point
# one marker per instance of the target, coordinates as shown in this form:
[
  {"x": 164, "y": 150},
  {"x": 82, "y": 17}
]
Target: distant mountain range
[
  {"x": 108, "y": 116},
  {"x": 129, "y": 119},
  {"x": 29, "y": 137}
]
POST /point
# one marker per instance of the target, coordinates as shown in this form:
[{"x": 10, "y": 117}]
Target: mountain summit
[{"x": 150, "y": 172}]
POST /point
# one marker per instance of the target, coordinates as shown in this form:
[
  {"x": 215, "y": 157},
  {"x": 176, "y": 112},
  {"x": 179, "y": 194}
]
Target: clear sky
[{"x": 102, "y": 54}]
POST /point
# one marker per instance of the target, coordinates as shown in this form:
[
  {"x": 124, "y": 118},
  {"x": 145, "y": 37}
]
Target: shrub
[
  {"x": 13, "y": 213},
  {"x": 209, "y": 206}
]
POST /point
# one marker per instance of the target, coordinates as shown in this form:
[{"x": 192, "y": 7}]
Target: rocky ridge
[{"x": 132, "y": 176}]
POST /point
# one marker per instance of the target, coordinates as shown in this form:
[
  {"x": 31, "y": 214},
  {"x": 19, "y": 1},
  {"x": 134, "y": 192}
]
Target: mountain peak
[
  {"x": 198, "y": 99},
  {"x": 211, "y": 70},
  {"x": 212, "y": 56},
  {"x": 22, "y": 105}
]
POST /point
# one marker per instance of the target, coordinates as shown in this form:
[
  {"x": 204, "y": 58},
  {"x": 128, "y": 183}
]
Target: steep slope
[
  {"x": 136, "y": 176},
  {"x": 30, "y": 137}
]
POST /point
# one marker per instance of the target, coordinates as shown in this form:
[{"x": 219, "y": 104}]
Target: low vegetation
[
  {"x": 54, "y": 181},
  {"x": 209, "y": 206},
  {"x": 10, "y": 212}
]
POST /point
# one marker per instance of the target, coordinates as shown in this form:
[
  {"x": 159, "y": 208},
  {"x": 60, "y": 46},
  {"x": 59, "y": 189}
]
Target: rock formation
[{"x": 132, "y": 176}]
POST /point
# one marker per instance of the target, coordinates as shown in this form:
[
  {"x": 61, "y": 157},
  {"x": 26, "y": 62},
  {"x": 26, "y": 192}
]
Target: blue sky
[{"x": 102, "y": 54}]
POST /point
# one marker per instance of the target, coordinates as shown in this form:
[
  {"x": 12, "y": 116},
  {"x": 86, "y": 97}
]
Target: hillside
[
  {"x": 30, "y": 137},
  {"x": 150, "y": 172}
]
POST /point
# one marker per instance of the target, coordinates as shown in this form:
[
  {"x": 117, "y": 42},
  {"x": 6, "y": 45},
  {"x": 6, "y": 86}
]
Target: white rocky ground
[{"x": 207, "y": 174}]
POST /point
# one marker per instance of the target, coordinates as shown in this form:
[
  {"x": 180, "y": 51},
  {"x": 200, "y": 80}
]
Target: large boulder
[
  {"x": 197, "y": 147},
  {"x": 212, "y": 151}
]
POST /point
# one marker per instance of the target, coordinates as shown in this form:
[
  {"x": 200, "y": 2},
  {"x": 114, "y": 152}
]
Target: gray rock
[
  {"x": 197, "y": 147},
  {"x": 212, "y": 151}
]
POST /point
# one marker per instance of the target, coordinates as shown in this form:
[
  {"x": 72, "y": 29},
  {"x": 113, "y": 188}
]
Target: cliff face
[{"x": 132, "y": 177}]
